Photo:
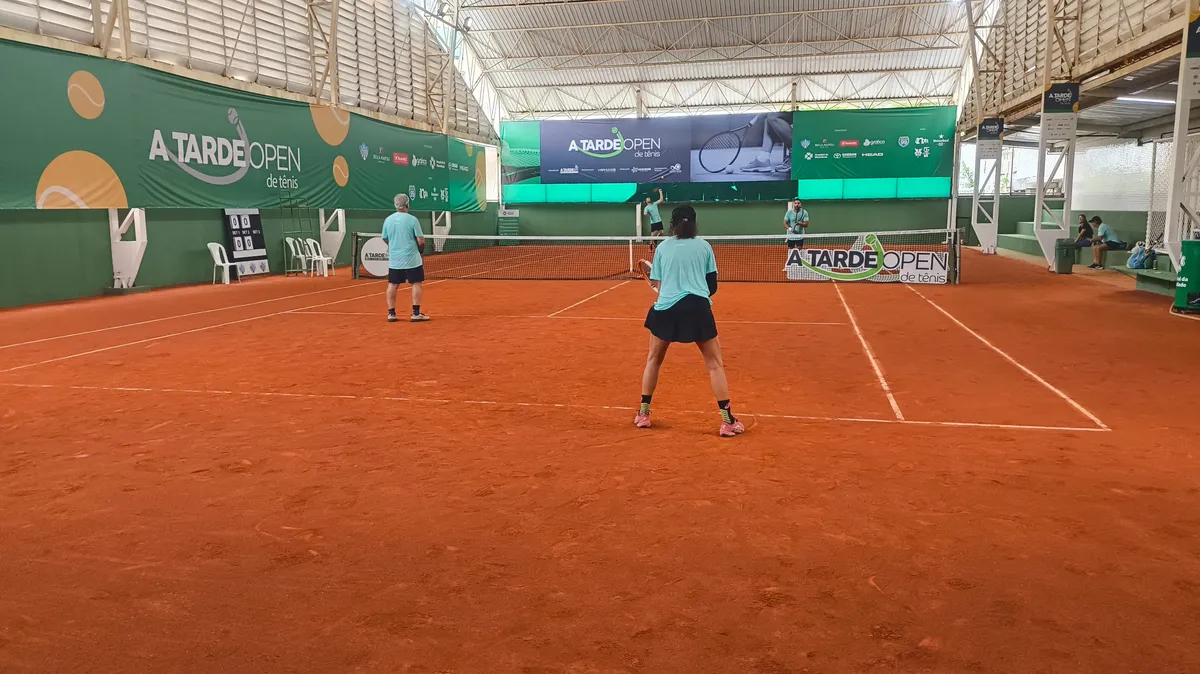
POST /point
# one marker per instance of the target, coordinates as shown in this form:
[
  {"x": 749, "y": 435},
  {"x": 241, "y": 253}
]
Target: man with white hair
[{"x": 402, "y": 233}]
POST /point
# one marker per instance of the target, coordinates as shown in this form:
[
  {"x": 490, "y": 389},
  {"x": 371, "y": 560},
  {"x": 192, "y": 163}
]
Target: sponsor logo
[
  {"x": 867, "y": 262},
  {"x": 569, "y": 171},
  {"x": 399, "y": 159},
  {"x": 921, "y": 152},
  {"x": 808, "y": 156},
  {"x": 607, "y": 148},
  {"x": 805, "y": 143},
  {"x": 676, "y": 168},
  {"x": 871, "y": 141},
  {"x": 848, "y": 143},
  {"x": 364, "y": 151},
  {"x": 192, "y": 151},
  {"x": 824, "y": 143},
  {"x": 412, "y": 192},
  {"x": 902, "y": 141},
  {"x": 374, "y": 257},
  {"x": 837, "y": 155},
  {"x": 921, "y": 141}
]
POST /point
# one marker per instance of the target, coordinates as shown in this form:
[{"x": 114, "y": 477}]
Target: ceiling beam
[
  {"x": 481, "y": 10},
  {"x": 677, "y": 80},
  {"x": 560, "y": 63}
]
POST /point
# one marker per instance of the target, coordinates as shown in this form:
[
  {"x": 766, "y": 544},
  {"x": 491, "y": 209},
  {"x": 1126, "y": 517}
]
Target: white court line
[
  {"x": 621, "y": 408},
  {"x": 1177, "y": 315},
  {"x": 589, "y": 298},
  {"x": 870, "y": 354},
  {"x": 1033, "y": 375},
  {"x": 182, "y": 332},
  {"x": 169, "y": 318},
  {"x": 560, "y": 318}
]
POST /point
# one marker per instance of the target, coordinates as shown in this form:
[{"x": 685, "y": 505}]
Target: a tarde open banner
[{"x": 95, "y": 133}]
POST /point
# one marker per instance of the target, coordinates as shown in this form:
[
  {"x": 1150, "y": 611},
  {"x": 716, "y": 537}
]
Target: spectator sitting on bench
[
  {"x": 1106, "y": 239},
  {"x": 1084, "y": 240}
]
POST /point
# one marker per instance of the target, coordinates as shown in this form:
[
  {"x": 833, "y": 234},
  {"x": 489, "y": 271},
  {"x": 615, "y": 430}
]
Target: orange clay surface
[{"x": 268, "y": 477}]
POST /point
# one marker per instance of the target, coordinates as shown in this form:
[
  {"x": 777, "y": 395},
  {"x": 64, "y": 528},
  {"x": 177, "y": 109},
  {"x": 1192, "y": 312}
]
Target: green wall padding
[{"x": 53, "y": 255}]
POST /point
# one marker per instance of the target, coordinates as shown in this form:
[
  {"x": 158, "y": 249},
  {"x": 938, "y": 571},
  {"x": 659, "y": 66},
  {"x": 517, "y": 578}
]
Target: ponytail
[{"x": 683, "y": 222}]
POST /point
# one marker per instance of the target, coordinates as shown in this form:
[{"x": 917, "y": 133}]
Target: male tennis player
[
  {"x": 685, "y": 275},
  {"x": 651, "y": 211},
  {"x": 795, "y": 221},
  {"x": 402, "y": 233}
]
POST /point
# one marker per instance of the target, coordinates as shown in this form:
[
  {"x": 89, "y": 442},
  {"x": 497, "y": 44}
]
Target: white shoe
[
  {"x": 758, "y": 165},
  {"x": 418, "y": 318},
  {"x": 392, "y": 318}
]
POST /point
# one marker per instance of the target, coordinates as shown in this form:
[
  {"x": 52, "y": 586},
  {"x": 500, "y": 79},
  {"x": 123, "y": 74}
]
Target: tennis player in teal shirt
[
  {"x": 651, "y": 211},
  {"x": 684, "y": 273},
  {"x": 796, "y": 223},
  {"x": 402, "y": 233}
]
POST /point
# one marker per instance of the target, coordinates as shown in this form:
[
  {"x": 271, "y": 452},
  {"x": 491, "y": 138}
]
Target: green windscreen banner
[
  {"x": 891, "y": 143},
  {"x": 96, "y": 133},
  {"x": 467, "y": 164}
]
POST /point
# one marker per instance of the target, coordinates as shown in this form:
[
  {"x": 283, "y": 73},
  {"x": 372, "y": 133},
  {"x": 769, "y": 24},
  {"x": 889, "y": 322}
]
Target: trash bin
[
  {"x": 1064, "y": 256},
  {"x": 1187, "y": 281}
]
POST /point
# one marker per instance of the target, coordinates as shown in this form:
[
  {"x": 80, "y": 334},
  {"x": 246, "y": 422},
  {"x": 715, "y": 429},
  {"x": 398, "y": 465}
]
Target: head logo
[
  {"x": 903, "y": 141},
  {"x": 363, "y": 151}
]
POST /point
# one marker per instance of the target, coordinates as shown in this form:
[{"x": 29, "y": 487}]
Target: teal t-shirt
[
  {"x": 1107, "y": 234},
  {"x": 400, "y": 232},
  {"x": 681, "y": 267},
  {"x": 652, "y": 211},
  {"x": 794, "y": 220}
]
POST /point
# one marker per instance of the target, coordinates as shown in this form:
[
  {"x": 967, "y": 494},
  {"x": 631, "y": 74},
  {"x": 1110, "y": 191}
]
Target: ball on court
[{"x": 729, "y": 169}]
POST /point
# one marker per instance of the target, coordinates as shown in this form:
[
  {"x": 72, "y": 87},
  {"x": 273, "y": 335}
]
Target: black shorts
[
  {"x": 400, "y": 276},
  {"x": 690, "y": 320},
  {"x": 795, "y": 243},
  {"x": 1111, "y": 245},
  {"x": 656, "y": 227}
]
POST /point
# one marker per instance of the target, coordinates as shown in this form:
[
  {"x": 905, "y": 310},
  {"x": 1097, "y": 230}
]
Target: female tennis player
[{"x": 684, "y": 274}]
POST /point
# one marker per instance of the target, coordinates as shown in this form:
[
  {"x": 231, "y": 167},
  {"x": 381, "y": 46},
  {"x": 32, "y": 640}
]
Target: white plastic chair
[
  {"x": 298, "y": 258},
  {"x": 221, "y": 261},
  {"x": 319, "y": 257}
]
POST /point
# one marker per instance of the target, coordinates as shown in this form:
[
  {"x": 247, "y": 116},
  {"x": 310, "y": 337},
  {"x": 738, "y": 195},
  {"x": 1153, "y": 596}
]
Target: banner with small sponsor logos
[
  {"x": 96, "y": 133},
  {"x": 892, "y": 143}
]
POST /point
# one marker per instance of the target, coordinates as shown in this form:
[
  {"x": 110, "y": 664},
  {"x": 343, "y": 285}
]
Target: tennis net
[{"x": 918, "y": 256}]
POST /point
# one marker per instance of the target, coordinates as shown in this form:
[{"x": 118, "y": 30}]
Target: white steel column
[
  {"x": 331, "y": 239},
  {"x": 985, "y": 205},
  {"x": 1183, "y": 193},
  {"x": 952, "y": 207},
  {"x": 1060, "y": 108},
  {"x": 441, "y": 227},
  {"x": 126, "y": 255}
]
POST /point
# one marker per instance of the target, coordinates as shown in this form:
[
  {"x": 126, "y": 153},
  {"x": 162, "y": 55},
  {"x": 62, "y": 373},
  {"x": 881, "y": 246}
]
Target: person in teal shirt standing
[
  {"x": 1106, "y": 239},
  {"x": 402, "y": 233},
  {"x": 650, "y": 210},
  {"x": 684, "y": 273},
  {"x": 795, "y": 221}
]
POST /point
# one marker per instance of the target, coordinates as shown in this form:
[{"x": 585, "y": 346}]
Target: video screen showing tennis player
[
  {"x": 684, "y": 274},
  {"x": 742, "y": 148}
]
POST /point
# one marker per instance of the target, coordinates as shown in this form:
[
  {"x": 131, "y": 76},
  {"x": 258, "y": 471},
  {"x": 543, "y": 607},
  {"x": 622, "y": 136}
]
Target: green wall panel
[{"x": 53, "y": 255}]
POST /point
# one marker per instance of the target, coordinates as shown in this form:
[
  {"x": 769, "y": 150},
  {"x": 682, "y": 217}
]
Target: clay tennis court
[{"x": 992, "y": 477}]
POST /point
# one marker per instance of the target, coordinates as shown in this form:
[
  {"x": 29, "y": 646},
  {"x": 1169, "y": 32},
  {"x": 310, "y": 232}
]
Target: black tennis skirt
[{"x": 689, "y": 320}]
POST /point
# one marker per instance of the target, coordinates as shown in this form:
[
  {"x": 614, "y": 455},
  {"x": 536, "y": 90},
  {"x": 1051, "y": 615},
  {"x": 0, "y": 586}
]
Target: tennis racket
[
  {"x": 644, "y": 266},
  {"x": 723, "y": 149}
]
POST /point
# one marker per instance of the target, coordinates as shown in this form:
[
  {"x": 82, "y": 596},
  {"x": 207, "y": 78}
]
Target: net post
[
  {"x": 631, "y": 256},
  {"x": 354, "y": 256}
]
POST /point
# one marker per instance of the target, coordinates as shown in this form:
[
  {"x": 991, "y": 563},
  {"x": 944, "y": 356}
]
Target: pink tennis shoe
[
  {"x": 730, "y": 430},
  {"x": 642, "y": 420}
]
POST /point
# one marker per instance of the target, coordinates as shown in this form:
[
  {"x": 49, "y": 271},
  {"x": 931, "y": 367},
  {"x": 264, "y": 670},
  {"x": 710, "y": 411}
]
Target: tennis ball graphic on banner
[
  {"x": 85, "y": 94},
  {"x": 79, "y": 179},
  {"x": 332, "y": 124},
  {"x": 341, "y": 172}
]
